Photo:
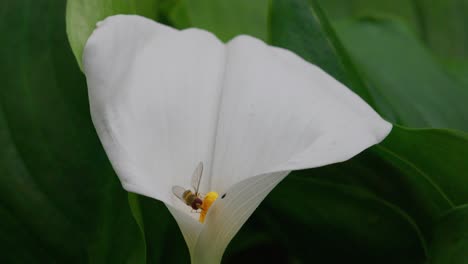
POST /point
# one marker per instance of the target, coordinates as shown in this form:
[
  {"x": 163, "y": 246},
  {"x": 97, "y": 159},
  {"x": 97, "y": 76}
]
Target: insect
[
  {"x": 190, "y": 198},
  {"x": 193, "y": 199}
]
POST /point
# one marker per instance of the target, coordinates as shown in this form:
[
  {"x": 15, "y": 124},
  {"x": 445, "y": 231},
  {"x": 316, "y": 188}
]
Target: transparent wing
[
  {"x": 196, "y": 177},
  {"x": 179, "y": 192}
]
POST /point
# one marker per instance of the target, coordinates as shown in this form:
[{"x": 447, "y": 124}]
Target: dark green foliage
[
  {"x": 60, "y": 199},
  {"x": 451, "y": 237},
  {"x": 403, "y": 201}
]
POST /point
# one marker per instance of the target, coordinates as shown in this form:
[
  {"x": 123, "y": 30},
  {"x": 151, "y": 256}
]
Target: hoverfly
[
  {"x": 190, "y": 198},
  {"x": 193, "y": 199}
]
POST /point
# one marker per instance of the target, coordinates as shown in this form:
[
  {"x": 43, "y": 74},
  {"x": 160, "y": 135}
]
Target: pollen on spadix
[{"x": 210, "y": 198}]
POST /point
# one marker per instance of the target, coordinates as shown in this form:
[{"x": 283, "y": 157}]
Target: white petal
[
  {"x": 280, "y": 113},
  {"x": 154, "y": 94}
]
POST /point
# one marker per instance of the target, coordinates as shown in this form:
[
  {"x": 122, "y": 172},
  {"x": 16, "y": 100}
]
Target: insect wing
[
  {"x": 196, "y": 177},
  {"x": 179, "y": 192}
]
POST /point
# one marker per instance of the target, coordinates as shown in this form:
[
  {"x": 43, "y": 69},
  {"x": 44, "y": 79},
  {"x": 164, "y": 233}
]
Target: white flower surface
[{"x": 163, "y": 100}]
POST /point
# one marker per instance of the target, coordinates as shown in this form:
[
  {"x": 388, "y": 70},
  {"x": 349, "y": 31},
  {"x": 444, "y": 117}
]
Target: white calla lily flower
[{"x": 163, "y": 100}]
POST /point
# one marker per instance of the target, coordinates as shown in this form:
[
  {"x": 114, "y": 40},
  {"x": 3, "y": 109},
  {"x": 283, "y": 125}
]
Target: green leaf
[
  {"x": 445, "y": 28},
  {"x": 330, "y": 217},
  {"x": 450, "y": 242},
  {"x": 336, "y": 9},
  {"x": 459, "y": 70},
  {"x": 391, "y": 179},
  {"x": 227, "y": 19},
  {"x": 13, "y": 235},
  {"x": 439, "y": 23},
  {"x": 407, "y": 84},
  {"x": 439, "y": 154},
  {"x": 82, "y": 16},
  {"x": 294, "y": 25},
  {"x": 61, "y": 200},
  {"x": 304, "y": 29},
  {"x": 407, "y": 11}
]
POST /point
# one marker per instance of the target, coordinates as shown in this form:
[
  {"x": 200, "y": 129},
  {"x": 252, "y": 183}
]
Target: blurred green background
[{"x": 403, "y": 201}]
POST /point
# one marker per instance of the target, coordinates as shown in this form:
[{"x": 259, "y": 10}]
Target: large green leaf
[
  {"x": 304, "y": 29},
  {"x": 60, "y": 199},
  {"x": 337, "y": 217},
  {"x": 82, "y": 16},
  {"x": 407, "y": 11},
  {"x": 445, "y": 29},
  {"x": 441, "y": 24},
  {"x": 450, "y": 242},
  {"x": 440, "y": 154},
  {"x": 395, "y": 181},
  {"x": 459, "y": 70},
  {"x": 423, "y": 171},
  {"x": 407, "y": 84}
]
